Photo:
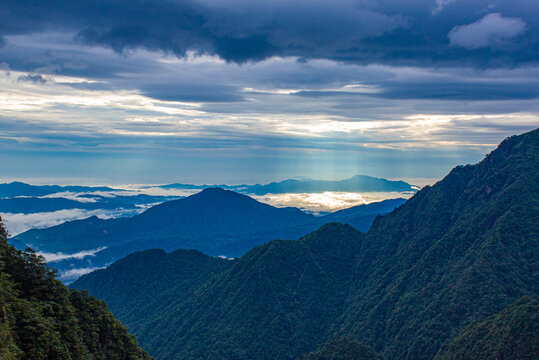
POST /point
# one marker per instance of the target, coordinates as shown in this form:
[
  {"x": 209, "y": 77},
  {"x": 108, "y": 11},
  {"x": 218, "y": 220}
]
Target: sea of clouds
[{"x": 316, "y": 203}]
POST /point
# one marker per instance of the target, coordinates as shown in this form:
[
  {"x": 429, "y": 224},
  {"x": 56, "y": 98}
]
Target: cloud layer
[
  {"x": 328, "y": 201},
  {"x": 55, "y": 257},
  {"x": 492, "y": 30},
  {"x": 18, "y": 223},
  {"x": 366, "y": 31},
  {"x": 196, "y": 91}
]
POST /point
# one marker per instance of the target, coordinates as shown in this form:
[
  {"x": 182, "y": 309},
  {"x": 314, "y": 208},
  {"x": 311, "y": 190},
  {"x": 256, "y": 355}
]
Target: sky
[{"x": 245, "y": 91}]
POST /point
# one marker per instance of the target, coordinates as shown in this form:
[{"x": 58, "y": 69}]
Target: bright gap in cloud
[{"x": 328, "y": 201}]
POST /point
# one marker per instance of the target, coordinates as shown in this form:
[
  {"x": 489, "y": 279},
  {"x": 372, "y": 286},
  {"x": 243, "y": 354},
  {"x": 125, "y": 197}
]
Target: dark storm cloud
[{"x": 420, "y": 32}]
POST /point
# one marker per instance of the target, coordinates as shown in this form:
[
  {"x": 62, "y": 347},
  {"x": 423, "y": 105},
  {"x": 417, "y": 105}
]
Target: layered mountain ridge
[
  {"x": 457, "y": 252},
  {"x": 214, "y": 221},
  {"x": 357, "y": 183}
]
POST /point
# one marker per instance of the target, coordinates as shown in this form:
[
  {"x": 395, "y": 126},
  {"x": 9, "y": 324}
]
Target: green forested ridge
[
  {"x": 511, "y": 334},
  {"x": 457, "y": 252},
  {"x": 344, "y": 349},
  {"x": 276, "y": 302},
  {"x": 40, "y": 319},
  {"x": 154, "y": 278}
]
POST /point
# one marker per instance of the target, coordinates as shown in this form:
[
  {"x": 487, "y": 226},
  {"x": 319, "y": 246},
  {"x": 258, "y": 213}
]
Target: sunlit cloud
[
  {"x": 328, "y": 201},
  {"x": 147, "y": 110},
  {"x": 70, "y": 275},
  {"x": 54, "y": 104}
]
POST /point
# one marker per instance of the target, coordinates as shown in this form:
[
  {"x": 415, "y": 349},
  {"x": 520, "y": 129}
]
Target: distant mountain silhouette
[
  {"x": 30, "y": 205},
  {"x": 214, "y": 221},
  {"x": 455, "y": 253},
  {"x": 212, "y": 212},
  {"x": 17, "y": 188},
  {"x": 358, "y": 215},
  {"x": 358, "y": 183}
]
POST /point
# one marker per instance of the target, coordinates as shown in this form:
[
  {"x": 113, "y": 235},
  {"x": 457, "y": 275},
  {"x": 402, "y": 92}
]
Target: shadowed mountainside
[{"x": 512, "y": 333}]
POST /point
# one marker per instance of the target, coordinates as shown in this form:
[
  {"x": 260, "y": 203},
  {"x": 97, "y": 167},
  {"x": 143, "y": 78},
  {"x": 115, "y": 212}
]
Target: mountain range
[
  {"x": 17, "y": 188},
  {"x": 24, "y": 206},
  {"x": 357, "y": 183},
  {"x": 428, "y": 279},
  {"x": 214, "y": 221},
  {"x": 30, "y": 205}
]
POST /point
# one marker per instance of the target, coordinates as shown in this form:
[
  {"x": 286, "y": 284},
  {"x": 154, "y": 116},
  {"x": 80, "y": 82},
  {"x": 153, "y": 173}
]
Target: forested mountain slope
[
  {"x": 344, "y": 349},
  {"x": 138, "y": 287},
  {"x": 276, "y": 302},
  {"x": 41, "y": 319},
  {"x": 457, "y": 252},
  {"x": 512, "y": 333}
]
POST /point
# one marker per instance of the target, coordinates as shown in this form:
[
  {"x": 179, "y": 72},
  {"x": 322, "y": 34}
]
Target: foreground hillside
[
  {"x": 41, "y": 319},
  {"x": 457, "y": 252},
  {"x": 276, "y": 302},
  {"x": 141, "y": 284},
  {"x": 344, "y": 349},
  {"x": 513, "y": 333}
]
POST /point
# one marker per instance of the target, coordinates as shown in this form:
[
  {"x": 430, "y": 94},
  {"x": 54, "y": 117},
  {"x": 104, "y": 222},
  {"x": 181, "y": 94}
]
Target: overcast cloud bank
[{"x": 254, "y": 91}]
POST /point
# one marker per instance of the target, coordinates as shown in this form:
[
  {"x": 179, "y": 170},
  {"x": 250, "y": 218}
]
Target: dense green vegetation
[
  {"x": 511, "y": 334},
  {"x": 455, "y": 253},
  {"x": 40, "y": 319},
  {"x": 344, "y": 349},
  {"x": 276, "y": 302},
  {"x": 154, "y": 278}
]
